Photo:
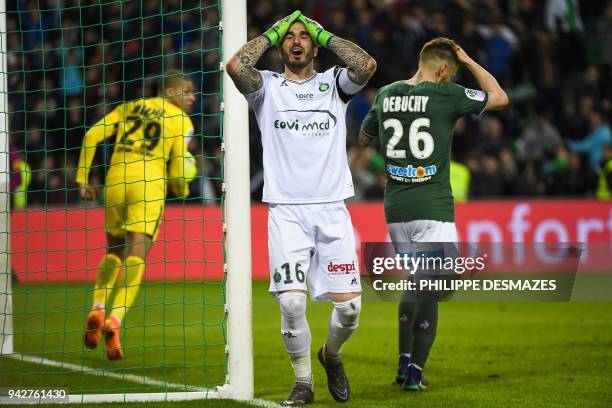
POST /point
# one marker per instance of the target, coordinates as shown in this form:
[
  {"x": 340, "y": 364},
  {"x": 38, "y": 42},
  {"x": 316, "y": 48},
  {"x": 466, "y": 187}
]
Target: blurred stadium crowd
[
  {"x": 553, "y": 57},
  {"x": 70, "y": 62}
]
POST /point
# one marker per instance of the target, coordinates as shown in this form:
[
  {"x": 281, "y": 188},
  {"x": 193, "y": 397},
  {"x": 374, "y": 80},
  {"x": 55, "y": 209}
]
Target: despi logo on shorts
[{"x": 340, "y": 269}]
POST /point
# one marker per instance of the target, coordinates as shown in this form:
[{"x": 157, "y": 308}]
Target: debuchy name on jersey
[
  {"x": 415, "y": 126},
  {"x": 303, "y": 132}
]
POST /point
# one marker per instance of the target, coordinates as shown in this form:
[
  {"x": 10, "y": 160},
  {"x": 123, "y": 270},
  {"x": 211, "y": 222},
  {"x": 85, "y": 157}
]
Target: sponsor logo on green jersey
[{"x": 411, "y": 174}]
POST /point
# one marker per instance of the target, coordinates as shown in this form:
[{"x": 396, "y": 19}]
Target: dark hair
[
  {"x": 171, "y": 78},
  {"x": 440, "y": 48}
]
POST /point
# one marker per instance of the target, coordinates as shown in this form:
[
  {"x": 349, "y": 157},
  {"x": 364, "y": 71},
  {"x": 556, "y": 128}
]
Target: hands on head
[
  {"x": 320, "y": 37},
  {"x": 277, "y": 32},
  {"x": 461, "y": 54}
]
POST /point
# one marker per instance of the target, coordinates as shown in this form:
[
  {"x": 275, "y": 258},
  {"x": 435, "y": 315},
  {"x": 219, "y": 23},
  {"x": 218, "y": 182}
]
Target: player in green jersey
[{"x": 414, "y": 121}]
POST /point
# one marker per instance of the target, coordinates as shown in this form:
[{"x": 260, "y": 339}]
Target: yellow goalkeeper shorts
[{"x": 134, "y": 206}]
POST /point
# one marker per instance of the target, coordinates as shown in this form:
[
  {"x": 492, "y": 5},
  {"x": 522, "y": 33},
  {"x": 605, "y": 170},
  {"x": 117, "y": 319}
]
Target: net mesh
[{"x": 69, "y": 64}]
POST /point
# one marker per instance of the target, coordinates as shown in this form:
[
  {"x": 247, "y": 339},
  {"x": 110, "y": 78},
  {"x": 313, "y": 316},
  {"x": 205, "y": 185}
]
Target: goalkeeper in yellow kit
[{"x": 147, "y": 134}]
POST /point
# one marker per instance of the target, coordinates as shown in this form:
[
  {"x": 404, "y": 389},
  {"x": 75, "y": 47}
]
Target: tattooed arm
[
  {"x": 360, "y": 65},
  {"x": 241, "y": 67}
]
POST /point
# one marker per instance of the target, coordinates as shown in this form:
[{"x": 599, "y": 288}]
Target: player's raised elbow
[
  {"x": 232, "y": 65},
  {"x": 371, "y": 67},
  {"x": 498, "y": 100},
  {"x": 504, "y": 101}
]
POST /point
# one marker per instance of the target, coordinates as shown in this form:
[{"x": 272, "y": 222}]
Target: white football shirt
[{"x": 303, "y": 132}]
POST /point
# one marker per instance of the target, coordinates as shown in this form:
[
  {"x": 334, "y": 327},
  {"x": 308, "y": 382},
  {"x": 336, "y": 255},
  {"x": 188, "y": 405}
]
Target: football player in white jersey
[{"x": 301, "y": 114}]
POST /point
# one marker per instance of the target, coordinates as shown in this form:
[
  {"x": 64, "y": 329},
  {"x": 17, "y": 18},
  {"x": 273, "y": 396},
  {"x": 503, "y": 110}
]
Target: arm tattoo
[
  {"x": 246, "y": 77},
  {"x": 354, "y": 57}
]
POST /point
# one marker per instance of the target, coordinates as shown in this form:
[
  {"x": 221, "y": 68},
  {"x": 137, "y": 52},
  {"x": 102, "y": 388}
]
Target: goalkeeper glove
[
  {"x": 320, "y": 37},
  {"x": 179, "y": 187},
  {"x": 276, "y": 33}
]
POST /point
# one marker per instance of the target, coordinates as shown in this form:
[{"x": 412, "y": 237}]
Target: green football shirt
[{"x": 415, "y": 126}]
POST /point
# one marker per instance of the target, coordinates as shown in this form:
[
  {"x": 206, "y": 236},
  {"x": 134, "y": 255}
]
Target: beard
[{"x": 297, "y": 64}]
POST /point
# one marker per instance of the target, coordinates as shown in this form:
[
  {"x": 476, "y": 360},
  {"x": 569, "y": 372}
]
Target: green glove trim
[
  {"x": 323, "y": 38},
  {"x": 269, "y": 32},
  {"x": 276, "y": 33},
  {"x": 318, "y": 34}
]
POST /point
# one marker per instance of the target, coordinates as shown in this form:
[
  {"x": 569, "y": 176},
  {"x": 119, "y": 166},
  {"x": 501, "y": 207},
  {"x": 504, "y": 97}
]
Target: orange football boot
[
  {"x": 111, "y": 334},
  {"x": 93, "y": 328}
]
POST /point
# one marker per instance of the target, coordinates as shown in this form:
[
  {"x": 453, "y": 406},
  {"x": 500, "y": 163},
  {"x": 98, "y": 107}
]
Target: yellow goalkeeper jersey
[{"x": 146, "y": 132}]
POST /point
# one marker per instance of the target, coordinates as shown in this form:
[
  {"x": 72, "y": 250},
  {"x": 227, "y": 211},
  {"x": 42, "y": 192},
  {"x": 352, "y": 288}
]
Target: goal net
[{"x": 66, "y": 66}]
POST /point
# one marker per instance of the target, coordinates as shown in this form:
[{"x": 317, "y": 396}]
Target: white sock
[
  {"x": 343, "y": 322},
  {"x": 302, "y": 368},
  {"x": 296, "y": 333}
]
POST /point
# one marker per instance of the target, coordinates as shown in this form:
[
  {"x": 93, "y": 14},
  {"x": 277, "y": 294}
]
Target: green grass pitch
[{"x": 486, "y": 354}]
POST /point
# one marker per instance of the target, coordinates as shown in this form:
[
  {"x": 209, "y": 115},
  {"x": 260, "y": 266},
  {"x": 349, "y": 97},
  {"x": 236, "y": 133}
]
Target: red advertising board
[{"x": 58, "y": 244}]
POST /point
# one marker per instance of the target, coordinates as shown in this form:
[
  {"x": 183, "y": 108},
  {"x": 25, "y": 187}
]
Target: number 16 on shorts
[{"x": 289, "y": 274}]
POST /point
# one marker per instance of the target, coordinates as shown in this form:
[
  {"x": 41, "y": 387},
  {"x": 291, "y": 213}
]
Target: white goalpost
[
  {"x": 237, "y": 212},
  {"x": 239, "y": 382},
  {"x": 6, "y": 303}
]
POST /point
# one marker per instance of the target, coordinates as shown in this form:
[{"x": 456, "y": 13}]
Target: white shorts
[
  {"x": 423, "y": 231},
  {"x": 406, "y": 236},
  {"x": 312, "y": 247}
]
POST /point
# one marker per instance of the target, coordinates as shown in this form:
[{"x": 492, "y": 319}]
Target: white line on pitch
[
  {"x": 129, "y": 377},
  {"x": 262, "y": 403},
  {"x": 139, "y": 379}
]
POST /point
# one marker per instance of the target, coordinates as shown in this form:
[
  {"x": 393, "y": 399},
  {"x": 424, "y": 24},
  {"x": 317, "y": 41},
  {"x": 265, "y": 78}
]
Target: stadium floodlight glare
[{"x": 151, "y": 374}]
